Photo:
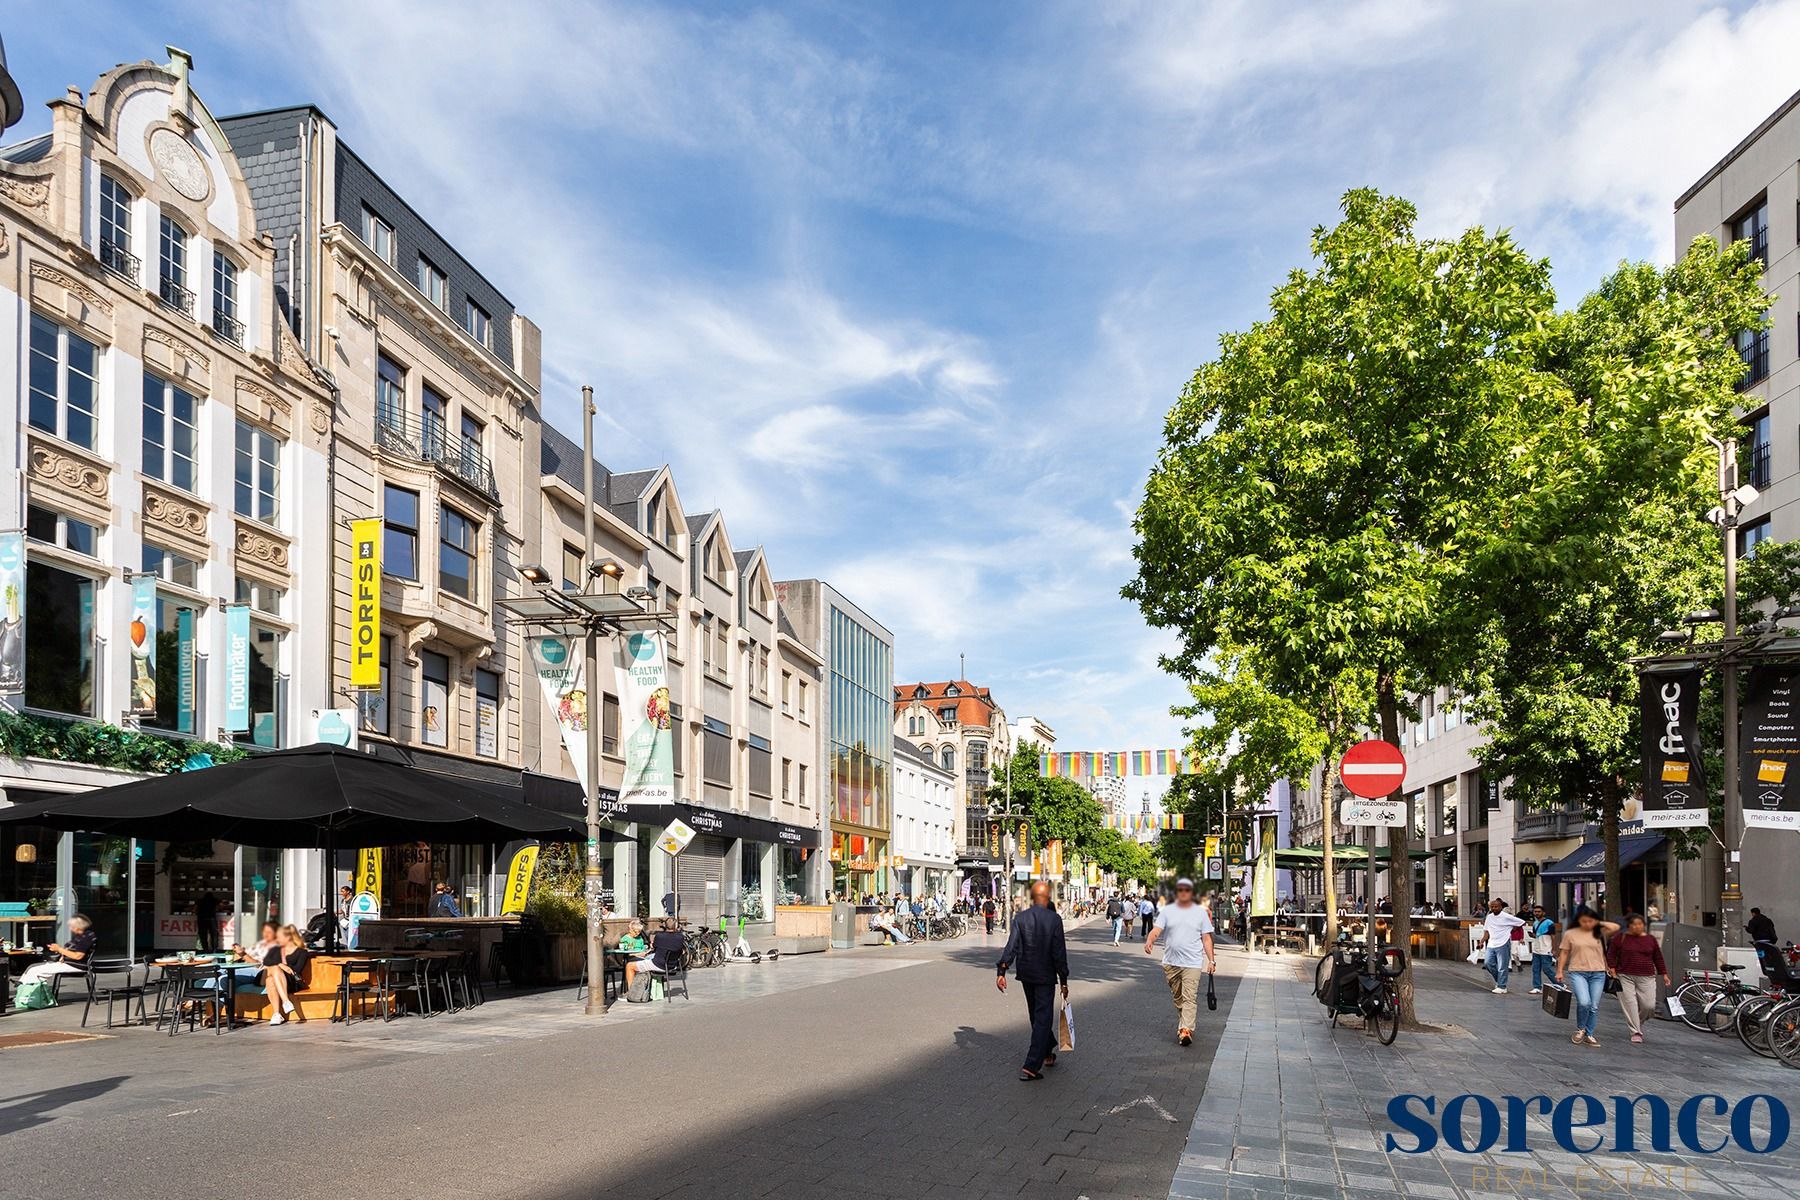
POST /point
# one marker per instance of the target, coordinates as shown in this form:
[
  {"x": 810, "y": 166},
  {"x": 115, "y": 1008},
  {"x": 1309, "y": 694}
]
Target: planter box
[{"x": 565, "y": 956}]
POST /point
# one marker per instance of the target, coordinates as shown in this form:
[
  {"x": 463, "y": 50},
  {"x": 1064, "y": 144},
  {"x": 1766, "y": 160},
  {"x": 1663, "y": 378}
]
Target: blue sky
[{"x": 907, "y": 288}]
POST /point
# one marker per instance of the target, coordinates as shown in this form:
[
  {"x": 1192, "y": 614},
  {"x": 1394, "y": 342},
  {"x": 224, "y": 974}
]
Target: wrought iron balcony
[
  {"x": 402, "y": 434},
  {"x": 227, "y": 327},
  {"x": 119, "y": 261},
  {"x": 1756, "y": 465},
  {"x": 176, "y": 297}
]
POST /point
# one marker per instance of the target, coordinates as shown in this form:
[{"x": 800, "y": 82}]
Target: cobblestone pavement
[
  {"x": 1296, "y": 1108},
  {"x": 873, "y": 1072}
]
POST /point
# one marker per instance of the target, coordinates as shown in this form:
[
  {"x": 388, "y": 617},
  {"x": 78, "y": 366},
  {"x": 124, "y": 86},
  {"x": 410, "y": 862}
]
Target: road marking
[
  {"x": 185, "y": 1112},
  {"x": 1150, "y": 1101}
]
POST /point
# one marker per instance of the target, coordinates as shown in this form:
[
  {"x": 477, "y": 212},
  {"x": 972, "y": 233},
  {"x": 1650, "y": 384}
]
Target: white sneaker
[
  {"x": 288, "y": 1008},
  {"x": 1499, "y": 991},
  {"x": 1537, "y": 991},
  {"x": 277, "y": 1019}
]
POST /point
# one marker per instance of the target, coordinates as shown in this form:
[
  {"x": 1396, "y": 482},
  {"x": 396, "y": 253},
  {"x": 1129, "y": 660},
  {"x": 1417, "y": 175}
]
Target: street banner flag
[
  {"x": 1675, "y": 792},
  {"x": 1262, "y": 888},
  {"x": 12, "y": 614},
  {"x": 368, "y": 872},
  {"x": 365, "y": 602},
  {"x": 643, "y": 680},
  {"x": 141, "y": 642},
  {"x": 237, "y": 668},
  {"x": 559, "y": 670},
  {"x": 518, "y": 879},
  {"x": 1769, "y": 734}
]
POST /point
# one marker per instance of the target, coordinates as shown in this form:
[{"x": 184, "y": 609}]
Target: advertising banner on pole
[
  {"x": 1262, "y": 887},
  {"x": 557, "y": 661},
  {"x": 643, "y": 679},
  {"x": 365, "y": 603},
  {"x": 368, "y": 872},
  {"x": 1237, "y": 840},
  {"x": 237, "y": 668},
  {"x": 141, "y": 640},
  {"x": 185, "y": 699},
  {"x": 518, "y": 879},
  {"x": 1769, "y": 762},
  {"x": 1674, "y": 785},
  {"x": 12, "y": 614}
]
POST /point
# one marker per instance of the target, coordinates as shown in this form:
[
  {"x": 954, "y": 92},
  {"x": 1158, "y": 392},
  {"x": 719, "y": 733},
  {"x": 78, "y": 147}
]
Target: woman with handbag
[
  {"x": 1581, "y": 967},
  {"x": 1635, "y": 959}
]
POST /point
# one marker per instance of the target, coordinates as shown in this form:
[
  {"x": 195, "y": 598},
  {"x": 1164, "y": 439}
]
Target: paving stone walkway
[{"x": 1295, "y": 1108}]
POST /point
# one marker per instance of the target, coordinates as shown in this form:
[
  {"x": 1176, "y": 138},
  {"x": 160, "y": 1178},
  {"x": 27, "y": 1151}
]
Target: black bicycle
[{"x": 1350, "y": 982}]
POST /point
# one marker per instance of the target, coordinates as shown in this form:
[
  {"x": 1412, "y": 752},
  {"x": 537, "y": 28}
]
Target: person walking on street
[
  {"x": 1499, "y": 926},
  {"x": 1146, "y": 914},
  {"x": 1581, "y": 967},
  {"x": 1635, "y": 959},
  {"x": 1039, "y": 956},
  {"x": 1187, "y": 930},
  {"x": 1115, "y": 912},
  {"x": 988, "y": 911},
  {"x": 1543, "y": 957}
]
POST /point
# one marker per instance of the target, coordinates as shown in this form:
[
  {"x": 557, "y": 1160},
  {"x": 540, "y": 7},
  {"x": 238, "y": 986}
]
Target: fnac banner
[
  {"x": 365, "y": 603},
  {"x": 518, "y": 880},
  {"x": 368, "y": 872}
]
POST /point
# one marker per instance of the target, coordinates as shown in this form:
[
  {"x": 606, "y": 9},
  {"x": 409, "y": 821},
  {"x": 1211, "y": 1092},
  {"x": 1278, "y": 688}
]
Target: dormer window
[
  {"x": 953, "y": 690},
  {"x": 947, "y": 714},
  {"x": 478, "y": 323},
  {"x": 920, "y": 692},
  {"x": 377, "y": 235}
]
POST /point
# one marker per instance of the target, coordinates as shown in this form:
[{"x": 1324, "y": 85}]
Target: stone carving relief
[
  {"x": 70, "y": 284},
  {"x": 27, "y": 193},
  {"x": 175, "y": 515},
  {"x": 261, "y": 547},
  {"x": 63, "y": 470},
  {"x": 321, "y": 419},
  {"x": 417, "y": 636},
  {"x": 194, "y": 361},
  {"x": 178, "y": 165}
]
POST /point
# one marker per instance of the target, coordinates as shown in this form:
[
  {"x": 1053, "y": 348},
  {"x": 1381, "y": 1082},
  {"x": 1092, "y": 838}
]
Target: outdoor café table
[
  {"x": 225, "y": 1004},
  {"x": 15, "y": 959}
]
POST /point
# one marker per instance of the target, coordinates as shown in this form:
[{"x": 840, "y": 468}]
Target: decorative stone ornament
[{"x": 178, "y": 165}]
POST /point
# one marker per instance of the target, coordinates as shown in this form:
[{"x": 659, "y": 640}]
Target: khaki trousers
[
  {"x": 1638, "y": 998},
  {"x": 1184, "y": 988}
]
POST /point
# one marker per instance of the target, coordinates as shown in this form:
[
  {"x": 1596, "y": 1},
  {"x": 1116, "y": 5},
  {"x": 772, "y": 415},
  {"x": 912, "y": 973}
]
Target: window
[
  {"x": 487, "y": 714},
  {"x": 1452, "y": 713},
  {"x": 802, "y": 705},
  {"x": 258, "y": 472},
  {"x": 59, "y": 640},
  {"x": 377, "y": 234},
  {"x": 571, "y": 567},
  {"x": 225, "y": 320},
  {"x": 378, "y": 703},
  {"x": 457, "y": 539},
  {"x": 802, "y": 783},
  {"x": 268, "y": 688},
  {"x": 171, "y": 567},
  {"x": 722, "y": 649},
  {"x": 54, "y": 528},
  {"x": 609, "y": 724},
  {"x": 399, "y": 532},
  {"x": 431, "y": 282},
  {"x": 1751, "y": 536},
  {"x": 787, "y": 691},
  {"x": 477, "y": 322},
  {"x": 390, "y": 392},
  {"x": 65, "y": 379},
  {"x": 787, "y": 771},
  {"x": 115, "y": 228},
  {"x": 173, "y": 286},
  {"x": 1753, "y": 348},
  {"x": 1753, "y": 227},
  {"x": 762, "y": 673},
  {"x": 949, "y": 758},
  {"x": 434, "y": 420},
  {"x": 170, "y": 419},
  {"x": 263, "y": 597},
  {"x": 434, "y": 698},
  {"x": 474, "y": 443},
  {"x": 947, "y": 714},
  {"x": 1754, "y": 454},
  {"x": 716, "y": 755}
]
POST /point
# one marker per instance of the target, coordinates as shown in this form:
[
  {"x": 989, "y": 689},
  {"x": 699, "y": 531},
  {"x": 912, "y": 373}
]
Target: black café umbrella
[{"x": 318, "y": 796}]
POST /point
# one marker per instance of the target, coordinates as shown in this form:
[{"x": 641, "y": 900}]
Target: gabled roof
[
  {"x": 743, "y": 558},
  {"x": 698, "y": 522},
  {"x": 28, "y": 151},
  {"x": 974, "y": 705},
  {"x": 561, "y": 457}
]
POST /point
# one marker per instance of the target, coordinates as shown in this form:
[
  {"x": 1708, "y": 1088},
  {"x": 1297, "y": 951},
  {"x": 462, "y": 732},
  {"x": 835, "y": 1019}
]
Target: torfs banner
[
  {"x": 365, "y": 603},
  {"x": 1674, "y": 786},
  {"x": 1769, "y": 758}
]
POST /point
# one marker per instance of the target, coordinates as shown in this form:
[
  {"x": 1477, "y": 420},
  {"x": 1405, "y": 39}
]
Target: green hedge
[{"x": 27, "y": 735}]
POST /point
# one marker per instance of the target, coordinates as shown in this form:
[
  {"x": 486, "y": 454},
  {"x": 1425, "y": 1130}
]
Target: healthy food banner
[
  {"x": 1769, "y": 761},
  {"x": 557, "y": 661},
  {"x": 1674, "y": 785},
  {"x": 643, "y": 676},
  {"x": 12, "y": 614},
  {"x": 142, "y": 642}
]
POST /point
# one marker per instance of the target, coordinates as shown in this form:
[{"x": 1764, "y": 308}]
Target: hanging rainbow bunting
[{"x": 1115, "y": 764}]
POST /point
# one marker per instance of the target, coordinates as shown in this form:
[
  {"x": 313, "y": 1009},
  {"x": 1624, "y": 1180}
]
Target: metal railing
[
  {"x": 1756, "y": 465},
  {"x": 228, "y": 327},
  {"x": 120, "y": 261},
  {"x": 403, "y": 434},
  {"x": 176, "y": 297},
  {"x": 1754, "y": 350}
]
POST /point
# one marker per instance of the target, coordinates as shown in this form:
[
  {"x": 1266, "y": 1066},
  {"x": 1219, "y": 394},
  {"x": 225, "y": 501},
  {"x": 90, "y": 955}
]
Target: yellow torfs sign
[
  {"x": 365, "y": 603},
  {"x": 368, "y": 872},
  {"x": 518, "y": 881}
]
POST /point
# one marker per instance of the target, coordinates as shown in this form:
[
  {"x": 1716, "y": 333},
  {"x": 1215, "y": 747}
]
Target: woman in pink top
[{"x": 1581, "y": 966}]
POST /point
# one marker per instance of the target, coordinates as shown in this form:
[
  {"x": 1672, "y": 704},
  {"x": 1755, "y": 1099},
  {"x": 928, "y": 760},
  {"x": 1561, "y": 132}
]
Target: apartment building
[
  {"x": 924, "y": 840},
  {"x": 965, "y": 730}
]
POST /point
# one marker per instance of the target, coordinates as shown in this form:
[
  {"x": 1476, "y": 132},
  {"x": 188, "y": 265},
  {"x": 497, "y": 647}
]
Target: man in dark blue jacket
[{"x": 1040, "y": 957}]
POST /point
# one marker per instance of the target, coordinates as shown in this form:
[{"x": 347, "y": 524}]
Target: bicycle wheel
[
  {"x": 1752, "y": 1023},
  {"x": 1695, "y": 995},
  {"x": 1386, "y": 1021},
  {"x": 1783, "y": 1033},
  {"x": 1721, "y": 1013},
  {"x": 1321, "y": 976}
]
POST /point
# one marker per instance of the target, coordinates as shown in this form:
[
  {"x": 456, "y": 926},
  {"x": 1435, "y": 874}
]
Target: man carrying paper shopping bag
[{"x": 1186, "y": 930}]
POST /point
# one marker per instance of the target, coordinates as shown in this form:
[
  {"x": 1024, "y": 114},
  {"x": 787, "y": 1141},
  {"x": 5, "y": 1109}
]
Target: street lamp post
[
  {"x": 1008, "y": 845},
  {"x": 1732, "y": 498}
]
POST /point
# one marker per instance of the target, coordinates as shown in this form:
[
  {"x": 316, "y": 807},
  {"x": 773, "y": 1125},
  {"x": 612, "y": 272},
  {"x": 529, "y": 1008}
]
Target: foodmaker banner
[
  {"x": 643, "y": 675},
  {"x": 1770, "y": 757},
  {"x": 1674, "y": 787}
]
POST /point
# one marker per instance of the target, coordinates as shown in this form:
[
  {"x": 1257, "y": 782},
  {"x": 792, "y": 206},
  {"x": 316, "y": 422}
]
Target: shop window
[
  {"x": 487, "y": 714},
  {"x": 399, "y": 532},
  {"x": 59, "y": 640},
  {"x": 434, "y": 698},
  {"x": 171, "y": 417},
  {"x": 268, "y": 687},
  {"x": 64, "y": 383}
]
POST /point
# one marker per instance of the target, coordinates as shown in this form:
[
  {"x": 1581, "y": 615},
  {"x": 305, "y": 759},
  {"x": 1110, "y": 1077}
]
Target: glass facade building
[{"x": 861, "y": 747}]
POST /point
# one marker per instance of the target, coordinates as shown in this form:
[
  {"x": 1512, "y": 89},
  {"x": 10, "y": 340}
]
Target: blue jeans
[
  {"x": 1588, "y": 987},
  {"x": 1118, "y": 929},
  {"x": 1499, "y": 963},
  {"x": 1543, "y": 966}
]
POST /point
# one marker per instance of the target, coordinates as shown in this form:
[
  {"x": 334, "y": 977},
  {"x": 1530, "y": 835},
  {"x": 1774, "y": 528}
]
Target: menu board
[{"x": 1769, "y": 755}]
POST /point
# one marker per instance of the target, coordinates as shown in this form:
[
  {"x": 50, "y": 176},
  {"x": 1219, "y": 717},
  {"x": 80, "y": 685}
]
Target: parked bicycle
[{"x": 1352, "y": 981}]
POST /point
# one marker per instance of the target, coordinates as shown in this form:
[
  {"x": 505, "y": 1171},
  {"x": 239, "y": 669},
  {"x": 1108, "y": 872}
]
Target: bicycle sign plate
[
  {"x": 1388, "y": 813},
  {"x": 675, "y": 838}
]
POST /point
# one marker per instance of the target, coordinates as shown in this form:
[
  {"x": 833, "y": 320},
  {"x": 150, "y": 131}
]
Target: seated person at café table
[
  {"x": 284, "y": 972},
  {"x": 665, "y": 948},
  {"x": 633, "y": 943},
  {"x": 70, "y": 959}
]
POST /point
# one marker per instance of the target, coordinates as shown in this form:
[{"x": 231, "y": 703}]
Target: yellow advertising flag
[
  {"x": 365, "y": 603},
  {"x": 518, "y": 880},
  {"x": 368, "y": 872}
]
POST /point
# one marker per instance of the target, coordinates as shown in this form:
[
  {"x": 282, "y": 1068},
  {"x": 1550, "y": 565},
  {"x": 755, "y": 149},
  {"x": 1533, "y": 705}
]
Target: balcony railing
[
  {"x": 1756, "y": 465},
  {"x": 1753, "y": 348},
  {"x": 228, "y": 327},
  {"x": 119, "y": 261},
  {"x": 176, "y": 297},
  {"x": 402, "y": 434}
]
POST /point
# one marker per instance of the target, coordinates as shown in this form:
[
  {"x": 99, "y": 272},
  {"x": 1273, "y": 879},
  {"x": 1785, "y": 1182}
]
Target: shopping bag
[
  {"x": 1477, "y": 956},
  {"x": 34, "y": 993},
  {"x": 1557, "y": 1001},
  {"x": 1212, "y": 997},
  {"x": 1521, "y": 954},
  {"x": 1065, "y": 1027}
]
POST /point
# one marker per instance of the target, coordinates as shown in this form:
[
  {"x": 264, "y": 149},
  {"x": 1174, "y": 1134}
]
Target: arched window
[
  {"x": 929, "y": 753},
  {"x": 949, "y": 758}
]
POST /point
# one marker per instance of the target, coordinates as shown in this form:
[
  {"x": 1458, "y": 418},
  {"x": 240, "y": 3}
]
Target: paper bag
[
  {"x": 1065, "y": 1027},
  {"x": 1676, "y": 1008}
]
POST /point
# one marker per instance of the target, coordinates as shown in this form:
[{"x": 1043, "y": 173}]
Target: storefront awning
[
  {"x": 1589, "y": 862},
  {"x": 716, "y": 822}
]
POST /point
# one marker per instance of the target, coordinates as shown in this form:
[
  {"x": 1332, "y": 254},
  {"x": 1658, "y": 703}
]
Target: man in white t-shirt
[
  {"x": 1186, "y": 930},
  {"x": 1499, "y": 926}
]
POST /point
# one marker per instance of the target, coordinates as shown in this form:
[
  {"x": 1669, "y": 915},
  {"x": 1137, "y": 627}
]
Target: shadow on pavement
[{"x": 37, "y": 1108}]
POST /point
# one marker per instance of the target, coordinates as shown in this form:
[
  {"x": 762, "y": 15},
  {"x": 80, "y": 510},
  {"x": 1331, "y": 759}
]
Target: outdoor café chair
[
  {"x": 110, "y": 979},
  {"x": 199, "y": 984},
  {"x": 458, "y": 972},
  {"x": 404, "y": 975},
  {"x": 359, "y": 983}
]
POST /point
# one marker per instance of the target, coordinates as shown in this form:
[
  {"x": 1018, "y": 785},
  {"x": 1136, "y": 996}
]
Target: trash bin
[{"x": 843, "y": 926}]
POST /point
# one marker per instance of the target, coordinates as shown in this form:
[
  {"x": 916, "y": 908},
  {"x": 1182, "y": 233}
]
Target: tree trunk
[
  {"x": 1399, "y": 858},
  {"x": 1612, "y": 798},
  {"x": 1331, "y": 906}
]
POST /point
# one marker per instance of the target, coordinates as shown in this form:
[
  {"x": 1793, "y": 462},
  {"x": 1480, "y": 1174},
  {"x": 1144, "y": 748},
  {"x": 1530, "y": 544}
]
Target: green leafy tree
[{"x": 1317, "y": 477}]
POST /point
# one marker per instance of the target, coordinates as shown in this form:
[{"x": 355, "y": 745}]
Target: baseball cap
[{"x": 1185, "y": 882}]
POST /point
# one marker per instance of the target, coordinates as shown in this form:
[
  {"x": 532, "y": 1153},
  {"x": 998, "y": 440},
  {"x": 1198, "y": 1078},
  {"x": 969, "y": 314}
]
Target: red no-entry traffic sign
[{"x": 1373, "y": 769}]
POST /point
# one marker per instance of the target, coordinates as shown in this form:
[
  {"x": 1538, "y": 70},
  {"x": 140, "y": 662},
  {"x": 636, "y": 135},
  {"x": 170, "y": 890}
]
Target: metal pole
[
  {"x": 1733, "y": 897},
  {"x": 596, "y": 929}
]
